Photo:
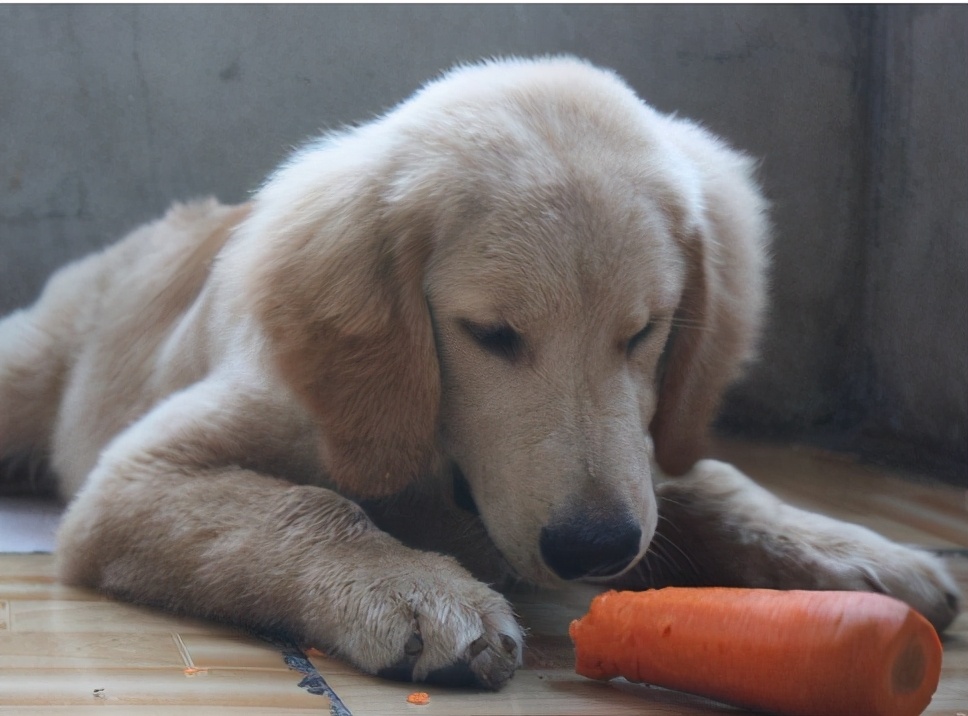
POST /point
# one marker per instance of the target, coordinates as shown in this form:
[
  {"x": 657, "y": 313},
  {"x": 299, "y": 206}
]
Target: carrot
[
  {"x": 790, "y": 652},
  {"x": 419, "y": 698}
]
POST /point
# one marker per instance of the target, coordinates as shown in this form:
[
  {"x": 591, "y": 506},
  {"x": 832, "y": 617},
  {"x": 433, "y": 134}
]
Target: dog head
[{"x": 526, "y": 273}]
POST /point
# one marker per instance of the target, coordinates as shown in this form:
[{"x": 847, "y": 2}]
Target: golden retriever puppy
[{"x": 478, "y": 338}]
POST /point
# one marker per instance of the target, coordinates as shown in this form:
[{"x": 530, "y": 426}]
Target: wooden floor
[{"x": 70, "y": 651}]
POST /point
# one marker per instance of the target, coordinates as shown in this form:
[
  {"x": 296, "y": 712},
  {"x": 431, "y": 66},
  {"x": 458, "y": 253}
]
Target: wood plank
[
  {"x": 158, "y": 710},
  {"x": 64, "y": 617},
  {"x": 50, "y": 651},
  {"x": 59, "y": 644},
  {"x": 932, "y": 514},
  {"x": 222, "y": 651},
  {"x": 535, "y": 693},
  {"x": 169, "y": 687}
]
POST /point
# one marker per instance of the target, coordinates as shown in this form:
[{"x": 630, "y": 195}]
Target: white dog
[{"x": 490, "y": 324}]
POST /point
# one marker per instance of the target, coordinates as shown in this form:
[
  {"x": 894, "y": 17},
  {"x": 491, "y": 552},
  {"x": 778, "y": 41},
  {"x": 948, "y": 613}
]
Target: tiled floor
[{"x": 70, "y": 651}]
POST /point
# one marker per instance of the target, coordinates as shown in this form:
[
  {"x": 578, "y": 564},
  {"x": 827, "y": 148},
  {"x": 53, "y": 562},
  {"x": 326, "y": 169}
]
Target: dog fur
[{"x": 493, "y": 324}]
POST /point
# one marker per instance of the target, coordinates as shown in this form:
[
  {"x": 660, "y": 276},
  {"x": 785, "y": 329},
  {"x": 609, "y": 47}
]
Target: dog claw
[
  {"x": 414, "y": 645},
  {"x": 510, "y": 646},
  {"x": 485, "y": 665},
  {"x": 477, "y": 646},
  {"x": 403, "y": 669}
]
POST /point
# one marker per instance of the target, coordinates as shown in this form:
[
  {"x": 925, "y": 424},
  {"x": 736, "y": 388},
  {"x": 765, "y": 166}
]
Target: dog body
[{"x": 491, "y": 323}]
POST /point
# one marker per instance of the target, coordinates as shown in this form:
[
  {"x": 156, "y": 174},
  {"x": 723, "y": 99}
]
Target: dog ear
[
  {"x": 338, "y": 290},
  {"x": 717, "y": 321}
]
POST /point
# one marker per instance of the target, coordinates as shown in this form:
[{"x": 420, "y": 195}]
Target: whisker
[
  {"x": 691, "y": 324},
  {"x": 687, "y": 561}
]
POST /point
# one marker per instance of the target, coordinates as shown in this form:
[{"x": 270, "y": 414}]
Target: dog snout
[{"x": 585, "y": 546}]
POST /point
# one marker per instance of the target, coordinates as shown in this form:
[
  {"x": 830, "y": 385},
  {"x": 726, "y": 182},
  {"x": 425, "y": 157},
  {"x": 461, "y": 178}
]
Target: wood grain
[{"x": 71, "y": 651}]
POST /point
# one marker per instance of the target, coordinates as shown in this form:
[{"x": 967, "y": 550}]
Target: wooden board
[{"x": 71, "y": 651}]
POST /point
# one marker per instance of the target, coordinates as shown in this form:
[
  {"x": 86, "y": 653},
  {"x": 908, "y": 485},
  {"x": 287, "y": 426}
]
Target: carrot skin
[{"x": 794, "y": 653}]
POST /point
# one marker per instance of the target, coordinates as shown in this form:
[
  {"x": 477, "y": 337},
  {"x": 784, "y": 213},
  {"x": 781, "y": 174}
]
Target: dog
[{"x": 475, "y": 341}]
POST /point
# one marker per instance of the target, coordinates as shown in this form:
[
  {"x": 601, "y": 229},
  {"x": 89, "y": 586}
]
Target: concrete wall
[
  {"x": 915, "y": 318},
  {"x": 108, "y": 113}
]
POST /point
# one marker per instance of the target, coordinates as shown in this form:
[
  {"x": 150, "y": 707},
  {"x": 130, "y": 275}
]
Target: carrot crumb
[
  {"x": 420, "y": 698},
  {"x": 192, "y": 670}
]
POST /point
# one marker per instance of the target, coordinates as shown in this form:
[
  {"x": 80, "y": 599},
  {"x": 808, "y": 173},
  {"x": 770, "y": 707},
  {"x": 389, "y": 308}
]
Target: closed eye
[
  {"x": 640, "y": 337},
  {"x": 499, "y": 339}
]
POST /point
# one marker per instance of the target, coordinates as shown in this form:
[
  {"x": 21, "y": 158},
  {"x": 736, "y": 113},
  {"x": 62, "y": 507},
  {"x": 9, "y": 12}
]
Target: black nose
[{"x": 590, "y": 547}]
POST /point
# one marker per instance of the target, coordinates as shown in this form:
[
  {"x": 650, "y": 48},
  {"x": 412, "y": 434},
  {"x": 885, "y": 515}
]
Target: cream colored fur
[{"x": 258, "y": 412}]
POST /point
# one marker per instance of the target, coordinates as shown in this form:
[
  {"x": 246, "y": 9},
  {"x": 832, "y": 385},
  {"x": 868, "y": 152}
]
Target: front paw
[
  {"x": 430, "y": 620},
  {"x": 828, "y": 554},
  {"x": 488, "y": 661},
  {"x": 732, "y": 532},
  {"x": 873, "y": 563}
]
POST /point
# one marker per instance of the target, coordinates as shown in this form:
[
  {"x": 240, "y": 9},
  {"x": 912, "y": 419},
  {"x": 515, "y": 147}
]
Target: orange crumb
[
  {"x": 420, "y": 698},
  {"x": 313, "y": 651},
  {"x": 192, "y": 670}
]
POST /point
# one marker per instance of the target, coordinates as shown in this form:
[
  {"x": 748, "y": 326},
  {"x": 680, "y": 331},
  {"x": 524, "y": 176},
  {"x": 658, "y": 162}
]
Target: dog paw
[
  {"x": 869, "y": 562},
  {"x": 432, "y": 623},
  {"x": 733, "y": 532},
  {"x": 823, "y": 553},
  {"x": 488, "y": 662}
]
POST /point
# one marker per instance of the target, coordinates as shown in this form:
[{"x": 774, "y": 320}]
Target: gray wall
[{"x": 858, "y": 114}]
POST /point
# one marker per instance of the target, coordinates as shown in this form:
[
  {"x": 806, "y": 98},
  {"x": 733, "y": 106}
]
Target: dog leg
[
  {"x": 35, "y": 349},
  {"x": 717, "y": 527},
  {"x": 158, "y": 523},
  {"x": 426, "y": 517}
]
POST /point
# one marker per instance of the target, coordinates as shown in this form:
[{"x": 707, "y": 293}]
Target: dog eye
[
  {"x": 500, "y": 340},
  {"x": 639, "y": 337}
]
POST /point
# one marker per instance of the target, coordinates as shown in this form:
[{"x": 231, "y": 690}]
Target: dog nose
[{"x": 590, "y": 547}]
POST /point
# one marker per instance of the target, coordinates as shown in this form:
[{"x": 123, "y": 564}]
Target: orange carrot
[
  {"x": 419, "y": 698},
  {"x": 788, "y": 652}
]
